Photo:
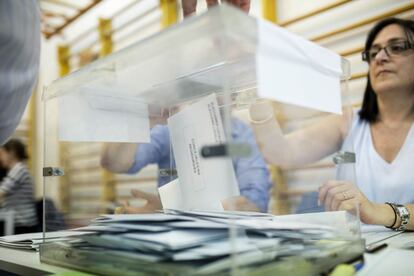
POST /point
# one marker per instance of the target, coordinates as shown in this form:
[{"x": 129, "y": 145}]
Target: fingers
[
  {"x": 143, "y": 195},
  {"x": 132, "y": 210},
  {"x": 189, "y": 7},
  {"x": 126, "y": 209},
  {"x": 119, "y": 210},
  {"x": 153, "y": 201},
  {"x": 156, "y": 120},
  {"x": 211, "y": 3},
  {"x": 242, "y": 4},
  {"x": 336, "y": 195},
  {"x": 122, "y": 209},
  {"x": 333, "y": 193},
  {"x": 350, "y": 205},
  {"x": 239, "y": 203},
  {"x": 233, "y": 202},
  {"x": 135, "y": 210},
  {"x": 152, "y": 204},
  {"x": 245, "y": 5},
  {"x": 323, "y": 190}
]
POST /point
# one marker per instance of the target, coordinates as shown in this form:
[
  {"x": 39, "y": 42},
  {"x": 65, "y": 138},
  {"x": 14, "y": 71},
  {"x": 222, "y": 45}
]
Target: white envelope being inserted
[
  {"x": 170, "y": 195},
  {"x": 204, "y": 183}
]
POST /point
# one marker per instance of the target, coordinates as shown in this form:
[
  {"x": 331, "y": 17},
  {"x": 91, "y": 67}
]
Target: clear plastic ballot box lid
[{"x": 221, "y": 129}]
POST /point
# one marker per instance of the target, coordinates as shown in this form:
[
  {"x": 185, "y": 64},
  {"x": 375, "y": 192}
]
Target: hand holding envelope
[
  {"x": 158, "y": 116},
  {"x": 153, "y": 203},
  {"x": 239, "y": 203}
]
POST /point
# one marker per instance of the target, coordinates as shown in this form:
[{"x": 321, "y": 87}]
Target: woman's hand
[
  {"x": 153, "y": 203},
  {"x": 345, "y": 196},
  {"x": 189, "y": 6}
]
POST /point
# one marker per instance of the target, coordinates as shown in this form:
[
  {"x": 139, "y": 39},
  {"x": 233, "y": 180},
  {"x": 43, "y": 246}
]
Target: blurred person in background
[{"x": 16, "y": 188}]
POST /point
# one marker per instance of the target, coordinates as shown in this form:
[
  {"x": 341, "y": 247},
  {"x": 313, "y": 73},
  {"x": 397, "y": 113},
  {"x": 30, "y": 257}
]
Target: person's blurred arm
[
  {"x": 118, "y": 157},
  {"x": 251, "y": 173},
  {"x": 131, "y": 158},
  {"x": 300, "y": 147},
  {"x": 19, "y": 55}
]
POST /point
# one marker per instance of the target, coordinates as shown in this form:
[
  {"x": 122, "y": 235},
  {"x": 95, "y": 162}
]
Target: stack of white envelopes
[{"x": 181, "y": 242}]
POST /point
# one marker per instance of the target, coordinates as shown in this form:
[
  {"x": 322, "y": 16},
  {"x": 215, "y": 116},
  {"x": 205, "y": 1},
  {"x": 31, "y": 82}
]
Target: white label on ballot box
[
  {"x": 293, "y": 70},
  {"x": 100, "y": 117},
  {"x": 204, "y": 183}
]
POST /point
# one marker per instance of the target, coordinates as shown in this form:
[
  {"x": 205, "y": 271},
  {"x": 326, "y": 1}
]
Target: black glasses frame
[{"x": 388, "y": 50}]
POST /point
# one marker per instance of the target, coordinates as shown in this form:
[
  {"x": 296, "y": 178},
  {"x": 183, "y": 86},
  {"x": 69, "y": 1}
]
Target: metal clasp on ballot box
[{"x": 53, "y": 171}]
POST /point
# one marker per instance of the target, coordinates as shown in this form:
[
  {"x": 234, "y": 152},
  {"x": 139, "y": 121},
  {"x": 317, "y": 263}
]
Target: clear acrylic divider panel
[{"x": 195, "y": 96}]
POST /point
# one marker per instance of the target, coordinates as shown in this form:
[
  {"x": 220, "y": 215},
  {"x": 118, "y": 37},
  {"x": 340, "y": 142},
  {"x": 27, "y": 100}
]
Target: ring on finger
[{"x": 346, "y": 195}]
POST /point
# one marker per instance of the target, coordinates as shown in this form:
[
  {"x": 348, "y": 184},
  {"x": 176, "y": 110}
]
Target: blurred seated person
[
  {"x": 251, "y": 172},
  {"x": 16, "y": 188},
  {"x": 381, "y": 134}
]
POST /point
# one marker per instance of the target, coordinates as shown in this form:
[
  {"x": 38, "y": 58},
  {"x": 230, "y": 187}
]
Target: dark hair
[
  {"x": 17, "y": 147},
  {"x": 3, "y": 172},
  {"x": 369, "y": 110}
]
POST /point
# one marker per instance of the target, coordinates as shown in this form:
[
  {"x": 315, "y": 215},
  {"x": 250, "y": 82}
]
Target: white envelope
[
  {"x": 170, "y": 195},
  {"x": 204, "y": 183}
]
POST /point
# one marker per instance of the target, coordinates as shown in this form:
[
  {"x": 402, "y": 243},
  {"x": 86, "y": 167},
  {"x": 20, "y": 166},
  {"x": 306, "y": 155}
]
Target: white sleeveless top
[{"x": 379, "y": 180}]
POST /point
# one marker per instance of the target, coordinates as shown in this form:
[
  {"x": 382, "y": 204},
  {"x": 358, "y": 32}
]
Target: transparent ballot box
[{"x": 203, "y": 149}]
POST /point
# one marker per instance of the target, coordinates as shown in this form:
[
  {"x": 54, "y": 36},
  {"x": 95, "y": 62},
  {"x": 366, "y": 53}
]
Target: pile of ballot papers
[
  {"x": 31, "y": 241},
  {"x": 192, "y": 242}
]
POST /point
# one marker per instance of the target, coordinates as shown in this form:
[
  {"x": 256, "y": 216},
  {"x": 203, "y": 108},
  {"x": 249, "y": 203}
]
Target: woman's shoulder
[
  {"x": 354, "y": 126},
  {"x": 350, "y": 122},
  {"x": 357, "y": 121}
]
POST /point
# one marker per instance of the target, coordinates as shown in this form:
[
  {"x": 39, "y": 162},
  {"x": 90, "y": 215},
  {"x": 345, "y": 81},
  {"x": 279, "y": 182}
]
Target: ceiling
[{"x": 56, "y": 15}]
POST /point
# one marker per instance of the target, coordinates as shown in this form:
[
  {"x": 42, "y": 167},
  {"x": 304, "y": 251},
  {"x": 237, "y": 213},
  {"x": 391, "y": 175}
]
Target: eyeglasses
[{"x": 392, "y": 49}]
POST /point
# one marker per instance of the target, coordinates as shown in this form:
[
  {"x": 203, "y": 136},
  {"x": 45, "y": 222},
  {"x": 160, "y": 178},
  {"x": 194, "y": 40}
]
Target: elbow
[
  {"x": 110, "y": 164},
  {"x": 114, "y": 165},
  {"x": 280, "y": 155}
]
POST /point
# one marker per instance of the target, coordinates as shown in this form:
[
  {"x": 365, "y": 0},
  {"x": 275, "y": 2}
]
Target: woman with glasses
[{"x": 382, "y": 133}]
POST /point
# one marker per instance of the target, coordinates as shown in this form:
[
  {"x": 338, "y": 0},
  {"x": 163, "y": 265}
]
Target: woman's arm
[
  {"x": 299, "y": 147},
  {"x": 118, "y": 157}
]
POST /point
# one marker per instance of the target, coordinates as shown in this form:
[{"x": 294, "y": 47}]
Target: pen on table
[{"x": 375, "y": 247}]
